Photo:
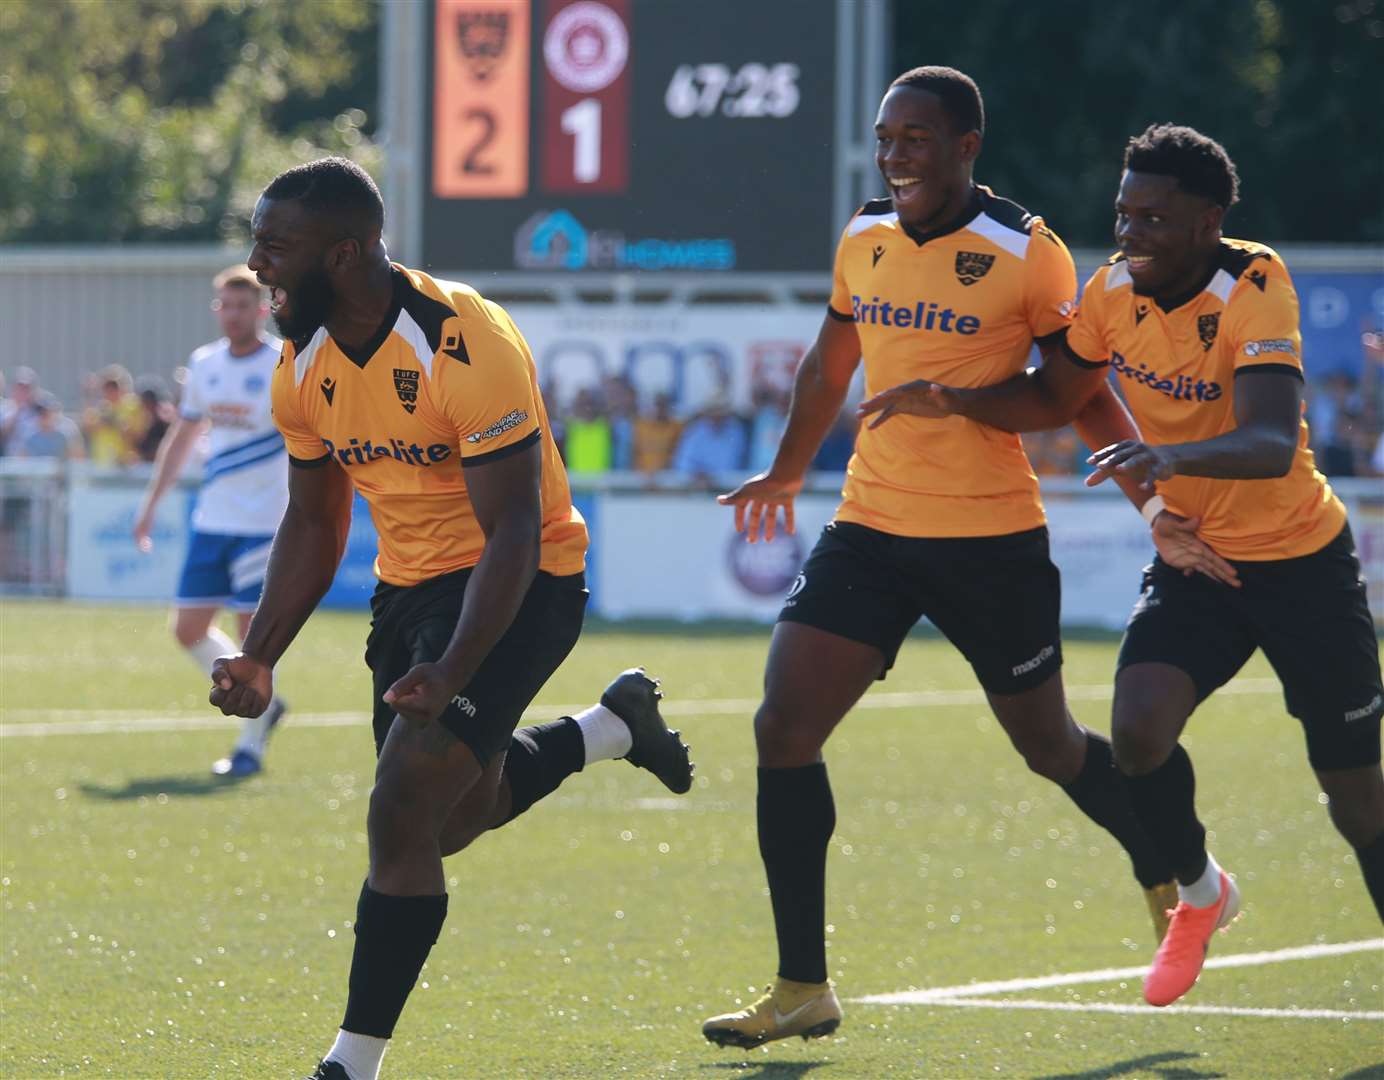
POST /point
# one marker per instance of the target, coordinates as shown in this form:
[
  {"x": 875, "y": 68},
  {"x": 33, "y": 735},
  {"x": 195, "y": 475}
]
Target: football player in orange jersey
[
  {"x": 946, "y": 280},
  {"x": 1202, "y": 333},
  {"x": 422, "y": 395}
]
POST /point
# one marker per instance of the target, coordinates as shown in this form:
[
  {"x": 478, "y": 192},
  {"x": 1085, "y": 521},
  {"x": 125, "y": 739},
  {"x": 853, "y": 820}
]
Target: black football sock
[
  {"x": 1371, "y": 858},
  {"x": 394, "y": 935},
  {"x": 540, "y": 758},
  {"x": 1102, "y": 793},
  {"x": 796, "y": 818},
  {"x": 1165, "y": 803}
]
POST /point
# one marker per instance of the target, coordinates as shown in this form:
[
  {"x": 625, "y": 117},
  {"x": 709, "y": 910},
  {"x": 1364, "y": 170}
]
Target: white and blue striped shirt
[{"x": 245, "y": 483}]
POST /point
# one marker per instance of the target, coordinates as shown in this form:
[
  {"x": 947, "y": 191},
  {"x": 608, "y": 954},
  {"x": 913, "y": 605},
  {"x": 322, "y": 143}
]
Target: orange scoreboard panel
[{"x": 622, "y": 135}]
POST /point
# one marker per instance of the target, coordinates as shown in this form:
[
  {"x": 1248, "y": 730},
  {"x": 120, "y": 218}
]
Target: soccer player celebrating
[
  {"x": 942, "y": 279},
  {"x": 1203, "y": 334},
  {"x": 423, "y": 396},
  {"x": 243, "y": 493}
]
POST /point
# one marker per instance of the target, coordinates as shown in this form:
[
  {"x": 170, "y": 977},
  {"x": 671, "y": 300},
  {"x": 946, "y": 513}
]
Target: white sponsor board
[
  {"x": 679, "y": 557},
  {"x": 693, "y": 353},
  {"x": 103, "y": 562}
]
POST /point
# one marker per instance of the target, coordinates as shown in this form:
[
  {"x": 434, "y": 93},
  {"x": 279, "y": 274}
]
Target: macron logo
[
  {"x": 1365, "y": 711},
  {"x": 1047, "y": 653}
]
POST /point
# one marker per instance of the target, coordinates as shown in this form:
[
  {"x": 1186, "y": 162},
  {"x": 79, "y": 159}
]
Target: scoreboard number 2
[{"x": 481, "y": 99}]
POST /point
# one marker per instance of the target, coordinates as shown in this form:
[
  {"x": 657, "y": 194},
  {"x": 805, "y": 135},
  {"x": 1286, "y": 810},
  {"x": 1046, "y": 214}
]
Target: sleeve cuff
[
  {"x": 1081, "y": 361},
  {"x": 504, "y": 451},
  {"x": 1270, "y": 369},
  {"x": 838, "y": 316},
  {"x": 309, "y": 463}
]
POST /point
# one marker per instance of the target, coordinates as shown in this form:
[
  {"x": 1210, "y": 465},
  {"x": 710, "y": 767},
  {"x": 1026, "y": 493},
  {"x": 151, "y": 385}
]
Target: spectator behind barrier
[
  {"x": 112, "y": 423},
  {"x": 54, "y": 435},
  {"x": 19, "y": 416},
  {"x": 711, "y": 443},
  {"x": 656, "y": 437},
  {"x": 766, "y": 426},
  {"x": 621, "y": 410},
  {"x": 588, "y": 444},
  {"x": 157, "y": 417}
]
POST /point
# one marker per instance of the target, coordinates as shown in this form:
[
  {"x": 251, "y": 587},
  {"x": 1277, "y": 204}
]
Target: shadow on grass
[
  {"x": 1369, "y": 1072},
  {"x": 1163, "y": 1066},
  {"x": 768, "y": 1070},
  {"x": 153, "y": 786}
]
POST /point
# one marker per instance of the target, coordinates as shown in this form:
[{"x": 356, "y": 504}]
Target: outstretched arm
[
  {"x": 1268, "y": 414},
  {"x": 1038, "y": 399},
  {"x": 168, "y": 463},
  {"x": 307, "y": 550},
  {"x": 819, "y": 391}
]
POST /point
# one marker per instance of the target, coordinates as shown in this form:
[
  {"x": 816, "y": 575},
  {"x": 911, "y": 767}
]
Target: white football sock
[
  {"x": 255, "y": 730},
  {"x": 605, "y": 735},
  {"x": 360, "y": 1054},
  {"x": 1206, "y": 890},
  {"x": 206, "y": 651}
]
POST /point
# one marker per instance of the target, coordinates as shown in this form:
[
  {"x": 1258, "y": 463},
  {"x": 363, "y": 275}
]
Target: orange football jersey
[
  {"x": 447, "y": 384},
  {"x": 1176, "y": 368},
  {"x": 963, "y": 308}
]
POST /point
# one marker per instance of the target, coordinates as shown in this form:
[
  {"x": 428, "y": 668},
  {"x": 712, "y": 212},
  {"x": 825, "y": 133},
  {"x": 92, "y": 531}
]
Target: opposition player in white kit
[{"x": 243, "y": 494}]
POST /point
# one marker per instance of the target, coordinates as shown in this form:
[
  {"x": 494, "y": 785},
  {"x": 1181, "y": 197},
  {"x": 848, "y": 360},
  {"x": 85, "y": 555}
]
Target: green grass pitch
[{"x": 156, "y": 924}]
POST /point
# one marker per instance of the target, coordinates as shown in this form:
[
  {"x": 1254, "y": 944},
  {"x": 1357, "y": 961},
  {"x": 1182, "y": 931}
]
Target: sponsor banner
[
  {"x": 103, "y": 562},
  {"x": 694, "y": 354},
  {"x": 679, "y": 557}
]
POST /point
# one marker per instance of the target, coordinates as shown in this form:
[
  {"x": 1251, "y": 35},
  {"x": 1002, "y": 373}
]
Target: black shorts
[
  {"x": 1308, "y": 614},
  {"x": 412, "y": 625},
  {"x": 996, "y": 598}
]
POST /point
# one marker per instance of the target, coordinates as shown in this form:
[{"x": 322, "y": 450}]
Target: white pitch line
[
  {"x": 1149, "y": 1010},
  {"x": 950, "y": 994},
  {"x": 51, "y": 722}
]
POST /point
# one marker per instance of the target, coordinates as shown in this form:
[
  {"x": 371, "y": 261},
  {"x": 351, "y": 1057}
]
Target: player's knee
[
  {"x": 1357, "y": 811},
  {"x": 187, "y": 634},
  {"x": 784, "y": 740},
  {"x": 398, "y": 815},
  {"x": 1138, "y": 742}
]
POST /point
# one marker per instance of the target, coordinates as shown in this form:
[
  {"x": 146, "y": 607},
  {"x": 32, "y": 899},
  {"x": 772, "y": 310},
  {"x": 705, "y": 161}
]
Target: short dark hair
[
  {"x": 959, "y": 93},
  {"x": 1197, "y": 162},
  {"x": 333, "y": 186}
]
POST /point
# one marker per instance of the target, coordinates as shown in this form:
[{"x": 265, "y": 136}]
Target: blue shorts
[{"x": 224, "y": 571}]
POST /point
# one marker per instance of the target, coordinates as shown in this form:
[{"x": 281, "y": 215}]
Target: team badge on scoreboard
[
  {"x": 971, "y": 266},
  {"x": 482, "y": 36},
  {"x": 586, "y": 47}
]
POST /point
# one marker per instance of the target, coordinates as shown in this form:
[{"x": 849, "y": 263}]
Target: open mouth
[
  {"x": 1138, "y": 263},
  {"x": 906, "y": 190},
  {"x": 278, "y": 299}
]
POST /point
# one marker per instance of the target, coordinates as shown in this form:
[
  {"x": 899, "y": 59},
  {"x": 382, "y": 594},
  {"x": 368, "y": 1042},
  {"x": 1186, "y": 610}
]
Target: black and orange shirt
[
  {"x": 448, "y": 384},
  {"x": 960, "y": 306},
  {"x": 1176, "y": 367}
]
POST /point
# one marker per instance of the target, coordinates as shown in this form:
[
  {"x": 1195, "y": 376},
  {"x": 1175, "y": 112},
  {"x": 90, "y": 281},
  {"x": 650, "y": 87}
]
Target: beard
[{"x": 309, "y": 306}]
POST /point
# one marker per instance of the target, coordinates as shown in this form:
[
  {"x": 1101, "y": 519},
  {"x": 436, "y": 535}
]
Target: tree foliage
[
  {"x": 1292, "y": 88},
  {"x": 160, "y": 120}
]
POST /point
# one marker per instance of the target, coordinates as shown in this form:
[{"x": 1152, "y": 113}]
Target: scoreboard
[{"x": 571, "y": 136}]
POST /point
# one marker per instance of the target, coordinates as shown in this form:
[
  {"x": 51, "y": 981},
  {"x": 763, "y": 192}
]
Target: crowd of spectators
[
  {"x": 610, "y": 427},
  {"x": 604, "y": 428},
  {"x": 118, "y": 423}
]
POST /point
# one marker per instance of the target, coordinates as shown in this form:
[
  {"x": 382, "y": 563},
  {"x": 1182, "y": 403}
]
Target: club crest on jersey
[
  {"x": 406, "y": 386},
  {"x": 482, "y": 36},
  {"x": 971, "y": 266},
  {"x": 1207, "y": 325}
]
